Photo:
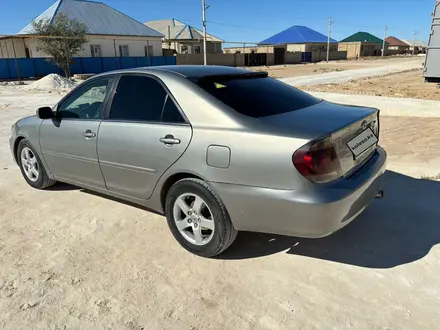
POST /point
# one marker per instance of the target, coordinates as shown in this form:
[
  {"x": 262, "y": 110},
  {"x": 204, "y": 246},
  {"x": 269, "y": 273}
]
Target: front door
[
  {"x": 68, "y": 141},
  {"x": 142, "y": 136}
]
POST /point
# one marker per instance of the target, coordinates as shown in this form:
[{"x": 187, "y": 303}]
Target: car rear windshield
[{"x": 257, "y": 96}]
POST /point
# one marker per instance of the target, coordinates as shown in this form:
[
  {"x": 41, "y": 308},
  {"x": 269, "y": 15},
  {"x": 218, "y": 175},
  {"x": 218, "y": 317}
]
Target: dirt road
[
  {"x": 340, "y": 77},
  {"x": 73, "y": 260},
  {"x": 408, "y": 84},
  {"x": 296, "y": 70}
]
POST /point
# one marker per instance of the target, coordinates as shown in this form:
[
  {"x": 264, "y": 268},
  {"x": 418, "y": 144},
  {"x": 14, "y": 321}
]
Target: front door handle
[
  {"x": 169, "y": 140},
  {"x": 88, "y": 134}
]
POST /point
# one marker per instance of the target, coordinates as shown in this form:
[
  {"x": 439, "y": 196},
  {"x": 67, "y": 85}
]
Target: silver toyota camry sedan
[{"x": 215, "y": 149}]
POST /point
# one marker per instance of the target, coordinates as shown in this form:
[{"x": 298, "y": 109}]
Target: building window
[
  {"x": 149, "y": 51},
  {"x": 197, "y": 49},
  {"x": 95, "y": 50},
  {"x": 123, "y": 51},
  {"x": 185, "y": 49}
]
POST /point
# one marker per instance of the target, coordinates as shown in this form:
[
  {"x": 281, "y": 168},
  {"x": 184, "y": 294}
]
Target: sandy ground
[
  {"x": 409, "y": 84},
  {"x": 73, "y": 260},
  {"x": 389, "y": 106},
  {"x": 340, "y": 77},
  {"x": 295, "y": 70}
]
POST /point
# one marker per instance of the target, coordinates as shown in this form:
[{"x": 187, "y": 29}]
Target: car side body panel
[{"x": 133, "y": 158}]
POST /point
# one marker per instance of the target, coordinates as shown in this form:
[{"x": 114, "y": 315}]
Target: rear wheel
[
  {"x": 31, "y": 166},
  {"x": 198, "y": 218}
]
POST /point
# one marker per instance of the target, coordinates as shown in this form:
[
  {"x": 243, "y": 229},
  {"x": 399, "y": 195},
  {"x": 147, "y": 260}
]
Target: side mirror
[{"x": 44, "y": 113}]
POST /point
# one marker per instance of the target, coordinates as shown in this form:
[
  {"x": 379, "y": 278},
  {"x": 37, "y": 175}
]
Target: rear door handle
[
  {"x": 169, "y": 140},
  {"x": 88, "y": 134}
]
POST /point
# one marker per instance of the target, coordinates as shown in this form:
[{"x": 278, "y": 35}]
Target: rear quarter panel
[{"x": 256, "y": 159}]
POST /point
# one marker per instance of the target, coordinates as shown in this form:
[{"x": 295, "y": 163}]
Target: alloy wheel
[
  {"x": 193, "y": 219},
  {"x": 29, "y": 164}
]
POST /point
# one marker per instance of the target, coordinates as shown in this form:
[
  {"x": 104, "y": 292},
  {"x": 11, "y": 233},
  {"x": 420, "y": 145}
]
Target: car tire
[
  {"x": 40, "y": 180},
  {"x": 212, "y": 212}
]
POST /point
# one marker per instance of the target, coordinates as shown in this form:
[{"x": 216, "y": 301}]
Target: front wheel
[
  {"x": 31, "y": 166},
  {"x": 198, "y": 218}
]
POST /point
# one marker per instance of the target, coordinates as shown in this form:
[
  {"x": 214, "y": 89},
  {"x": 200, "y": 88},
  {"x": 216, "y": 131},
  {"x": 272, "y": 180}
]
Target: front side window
[
  {"x": 141, "y": 98},
  {"x": 87, "y": 101},
  {"x": 257, "y": 96}
]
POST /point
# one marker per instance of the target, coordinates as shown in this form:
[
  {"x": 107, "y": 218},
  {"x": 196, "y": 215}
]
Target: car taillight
[{"x": 318, "y": 161}]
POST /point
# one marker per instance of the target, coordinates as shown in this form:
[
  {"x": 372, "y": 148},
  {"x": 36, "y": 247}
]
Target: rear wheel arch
[{"x": 170, "y": 181}]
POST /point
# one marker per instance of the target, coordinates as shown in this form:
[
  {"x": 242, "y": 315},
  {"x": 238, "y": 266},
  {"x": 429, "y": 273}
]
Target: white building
[
  {"x": 182, "y": 38},
  {"x": 110, "y": 33}
]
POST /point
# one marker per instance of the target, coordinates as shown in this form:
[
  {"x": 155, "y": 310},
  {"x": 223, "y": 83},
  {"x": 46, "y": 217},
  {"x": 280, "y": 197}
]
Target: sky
[{"x": 255, "y": 20}]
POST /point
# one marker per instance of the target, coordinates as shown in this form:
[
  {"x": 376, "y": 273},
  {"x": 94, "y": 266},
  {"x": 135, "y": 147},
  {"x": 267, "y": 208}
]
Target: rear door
[{"x": 143, "y": 134}]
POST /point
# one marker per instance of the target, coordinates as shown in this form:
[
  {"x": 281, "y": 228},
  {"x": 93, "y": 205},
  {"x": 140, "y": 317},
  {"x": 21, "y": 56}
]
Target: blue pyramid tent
[{"x": 297, "y": 34}]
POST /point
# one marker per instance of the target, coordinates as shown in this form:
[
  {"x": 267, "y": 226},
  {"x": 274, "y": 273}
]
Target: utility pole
[
  {"x": 383, "y": 45},
  {"x": 169, "y": 37},
  {"x": 414, "y": 42},
  {"x": 204, "y": 7},
  {"x": 330, "y": 22}
]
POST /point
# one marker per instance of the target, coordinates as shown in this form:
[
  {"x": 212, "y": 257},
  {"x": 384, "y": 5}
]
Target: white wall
[
  {"x": 296, "y": 48},
  {"x": 136, "y": 46},
  {"x": 7, "y": 49}
]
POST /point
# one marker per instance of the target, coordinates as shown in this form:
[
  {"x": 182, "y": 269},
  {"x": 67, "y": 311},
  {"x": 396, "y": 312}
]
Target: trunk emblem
[{"x": 364, "y": 125}]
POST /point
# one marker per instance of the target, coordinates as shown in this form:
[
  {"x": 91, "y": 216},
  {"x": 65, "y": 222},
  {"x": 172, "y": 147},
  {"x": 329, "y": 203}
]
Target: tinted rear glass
[{"x": 257, "y": 97}]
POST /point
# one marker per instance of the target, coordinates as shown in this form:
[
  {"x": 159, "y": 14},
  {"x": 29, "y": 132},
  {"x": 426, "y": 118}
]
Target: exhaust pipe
[{"x": 379, "y": 194}]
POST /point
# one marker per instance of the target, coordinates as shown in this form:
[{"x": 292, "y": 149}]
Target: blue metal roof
[
  {"x": 296, "y": 34},
  {"x": 98, "y": 17}
]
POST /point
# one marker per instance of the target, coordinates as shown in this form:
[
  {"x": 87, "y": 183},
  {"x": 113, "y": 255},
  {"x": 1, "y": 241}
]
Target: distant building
[
  {"x": 420, "y": 46},
  {"x": 397, "y": 45},
  {"x": 182, "y": 38},
  {"x": 361, "y": 44},
  {"x": 297, "y": 38},
  {"x": 110, "y": 33}
]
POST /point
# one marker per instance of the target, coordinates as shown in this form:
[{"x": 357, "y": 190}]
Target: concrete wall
[
  {"x": 248, "y": 49},
  {"x": 292, "y": 57},
  {"x": 7, "y": 48},
  {"x": 333, "y": 56},
  {"x": 359, "y": 49},
  {"x": 136, "y": 46},
  {"x": 212, "y": 59},
  {"x": 352, "y": 48},
  {"x": 296, "y": 48},
  {"x": 211, "y": 47},
  {"x": 311, "y": 47}
]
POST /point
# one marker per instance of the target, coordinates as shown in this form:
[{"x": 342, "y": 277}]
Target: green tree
[{"x": 64, "y": 38}]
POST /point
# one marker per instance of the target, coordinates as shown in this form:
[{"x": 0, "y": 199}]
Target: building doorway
[{"x": 279, "y": 54}]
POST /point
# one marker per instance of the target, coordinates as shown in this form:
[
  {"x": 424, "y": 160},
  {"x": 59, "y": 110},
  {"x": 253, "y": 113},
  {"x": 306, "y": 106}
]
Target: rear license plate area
[{"x": 362, "y": 142}]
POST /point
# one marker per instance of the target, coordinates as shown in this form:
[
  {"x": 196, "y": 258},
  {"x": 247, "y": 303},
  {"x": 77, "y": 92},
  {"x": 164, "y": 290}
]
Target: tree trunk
[{"x": 66, "y": 68}]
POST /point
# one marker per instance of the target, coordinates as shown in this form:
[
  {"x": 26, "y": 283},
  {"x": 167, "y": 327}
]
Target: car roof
[{"x": 191, "y": 71}]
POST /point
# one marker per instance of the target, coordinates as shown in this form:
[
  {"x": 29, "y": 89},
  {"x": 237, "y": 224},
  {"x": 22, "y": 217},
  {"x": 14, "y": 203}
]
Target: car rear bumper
[{"x": 313, "y": 211}]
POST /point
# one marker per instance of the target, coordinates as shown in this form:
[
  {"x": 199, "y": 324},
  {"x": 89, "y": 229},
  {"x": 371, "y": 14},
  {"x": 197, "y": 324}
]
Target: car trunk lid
[{"x": 349, "y": 127}]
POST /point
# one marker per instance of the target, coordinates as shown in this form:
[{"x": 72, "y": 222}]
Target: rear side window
[
  {"x": 257, "y": 97},
  {"x": 141, "y": 98}
]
